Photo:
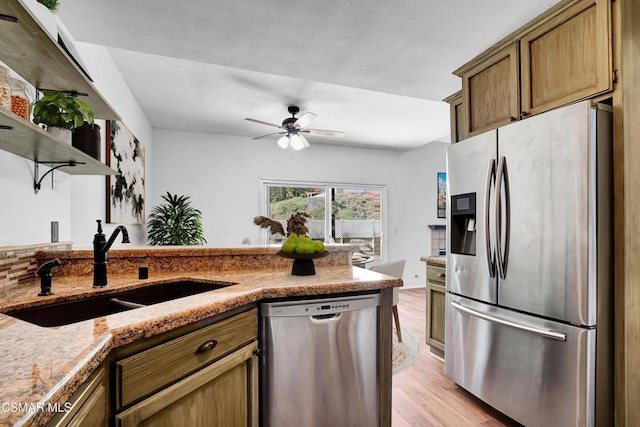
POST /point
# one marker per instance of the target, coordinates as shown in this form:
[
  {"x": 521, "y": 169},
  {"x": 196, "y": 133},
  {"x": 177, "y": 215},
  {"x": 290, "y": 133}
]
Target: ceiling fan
[{"x": 293, "y": 127}]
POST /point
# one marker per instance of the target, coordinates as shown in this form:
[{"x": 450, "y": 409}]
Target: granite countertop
[
  {"x": 41, "y": 365},
  {"x": 440, "y": 261}
]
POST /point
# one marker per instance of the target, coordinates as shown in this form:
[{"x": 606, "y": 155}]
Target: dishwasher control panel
[{"x": 319, "y": 306}]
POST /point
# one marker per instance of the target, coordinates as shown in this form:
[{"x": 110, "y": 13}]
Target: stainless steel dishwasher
[{"x": 319, "y": 364}]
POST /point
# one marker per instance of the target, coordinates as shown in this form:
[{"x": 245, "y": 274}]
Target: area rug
[{"x": 405, "y": 352}]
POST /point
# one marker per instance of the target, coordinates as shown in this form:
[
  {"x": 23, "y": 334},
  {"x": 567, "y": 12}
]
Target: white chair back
[{"x": 393, "y": 269}]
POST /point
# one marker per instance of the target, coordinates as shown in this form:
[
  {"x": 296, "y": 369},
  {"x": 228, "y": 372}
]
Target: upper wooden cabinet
[
  {"x": 490, "y": 94},
  {"x": 562, "y": 56},
  {"x": 457, "y": 116},
  {"x": 567, "y": 58}
]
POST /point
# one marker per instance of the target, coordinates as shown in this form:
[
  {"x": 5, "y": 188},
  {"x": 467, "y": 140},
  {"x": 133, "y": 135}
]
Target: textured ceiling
[{"x": 375, "y": 69}]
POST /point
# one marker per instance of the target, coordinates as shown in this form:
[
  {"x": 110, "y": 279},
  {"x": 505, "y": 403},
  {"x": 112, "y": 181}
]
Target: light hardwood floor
[{"x": 422, "y": 395}]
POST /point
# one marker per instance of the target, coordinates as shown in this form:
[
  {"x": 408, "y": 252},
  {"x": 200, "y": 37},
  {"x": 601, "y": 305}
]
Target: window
[{"x": 342, "y": 213}]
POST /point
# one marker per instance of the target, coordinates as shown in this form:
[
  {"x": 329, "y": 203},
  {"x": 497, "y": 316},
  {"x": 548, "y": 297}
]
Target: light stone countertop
[
  {"x": 440, "y": 261},
  {"x": 46, "y": 365}
]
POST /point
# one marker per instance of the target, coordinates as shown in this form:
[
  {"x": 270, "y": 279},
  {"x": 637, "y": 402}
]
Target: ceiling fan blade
[
  {"x": 264, "y": 123},
  {"x": 322, "y": 132},
  {"x": 304, "y": 120},
  {"x": 269, "y": 135}
]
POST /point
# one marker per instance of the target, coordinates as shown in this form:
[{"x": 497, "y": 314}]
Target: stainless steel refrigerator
[{"x": 530, "y": 265}]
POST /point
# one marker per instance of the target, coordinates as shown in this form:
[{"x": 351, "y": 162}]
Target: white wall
[
  {"x": 412, "y": 208},
  {"x": 79, "y": 200},
  {"x": 221, "y": 174},
  {"x": 88, "y": 193},
  {"x": 25, "y": 217}
]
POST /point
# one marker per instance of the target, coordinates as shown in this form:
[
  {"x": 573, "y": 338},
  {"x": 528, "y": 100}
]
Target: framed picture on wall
[
  {"x": 442, "y": 195},
  {"x": 125, "y": 191}
]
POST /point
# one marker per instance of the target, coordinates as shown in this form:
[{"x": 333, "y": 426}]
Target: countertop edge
[{"x": 440, "y": 261}]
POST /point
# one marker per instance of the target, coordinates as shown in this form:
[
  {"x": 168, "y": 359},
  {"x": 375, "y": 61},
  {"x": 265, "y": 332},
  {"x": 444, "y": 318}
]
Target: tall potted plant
[
  {"x": 175, "y": 222},
  {"x": 61, "y": 113}
]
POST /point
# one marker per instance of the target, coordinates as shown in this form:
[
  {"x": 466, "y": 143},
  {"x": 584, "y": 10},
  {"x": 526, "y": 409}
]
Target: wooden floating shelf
[
  {"x": 39, "y": 59},
  {"x": 27, "y": 140}
]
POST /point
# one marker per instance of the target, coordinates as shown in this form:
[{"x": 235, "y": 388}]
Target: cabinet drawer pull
[
  {"x": 441, "y": 275},
  {"x": 206, "y": 346},
  {"x": 512, "y": 119}
]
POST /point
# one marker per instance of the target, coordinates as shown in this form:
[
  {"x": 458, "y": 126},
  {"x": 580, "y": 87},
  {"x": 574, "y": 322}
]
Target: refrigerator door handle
[
  {"x": 502, "y": 181},
  {"x": 491, "y": 179},
  {"x": 547, "y": 333}
]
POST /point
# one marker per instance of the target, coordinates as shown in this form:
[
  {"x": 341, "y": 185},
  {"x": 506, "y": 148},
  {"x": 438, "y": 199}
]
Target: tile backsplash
[
  {"x": 438, "y": 241},
  {"x": 19, "y": 263}
]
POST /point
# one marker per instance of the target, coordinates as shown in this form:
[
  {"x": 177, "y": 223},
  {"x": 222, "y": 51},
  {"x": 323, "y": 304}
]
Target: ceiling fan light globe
[
  {"x": 283, "y": 142},
  {"x": 305, "y": 143},
  {"x": 296, "y": 142}
]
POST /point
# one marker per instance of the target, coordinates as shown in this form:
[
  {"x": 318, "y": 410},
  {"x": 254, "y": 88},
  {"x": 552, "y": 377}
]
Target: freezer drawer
[
  {"x": 538, "y": 372},
  {"x": 320, "y": 362}
]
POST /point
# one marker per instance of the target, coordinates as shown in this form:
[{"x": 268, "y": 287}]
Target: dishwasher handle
[{"x": 326, "y": 318}]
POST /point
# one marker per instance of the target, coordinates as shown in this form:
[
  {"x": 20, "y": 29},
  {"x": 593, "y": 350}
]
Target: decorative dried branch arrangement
[
  {"x": 274, "y": 226},
  {"x": 296, "y": 224}
]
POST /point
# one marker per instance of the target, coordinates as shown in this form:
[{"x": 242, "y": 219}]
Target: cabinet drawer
[
  {"x": 150, "y": 370},
  {"x": 436, "y": 274}
]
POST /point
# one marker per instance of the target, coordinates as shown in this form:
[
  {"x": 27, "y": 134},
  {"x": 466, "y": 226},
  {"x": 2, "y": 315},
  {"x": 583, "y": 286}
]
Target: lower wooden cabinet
[
  {"x": 88, "y": 405},
  {"x": 200, "y": 375},
  {"x": 222, "y": 394},
  {"x": 436, "y": 293},
  {"x": 207, "y": 377},
  {"x": 147, "y": 371}
]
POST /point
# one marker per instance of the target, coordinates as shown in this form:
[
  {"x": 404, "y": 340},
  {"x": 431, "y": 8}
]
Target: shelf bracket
[
  {"x": 37, "y": 182},
  {"x": 71, "y": 93}
]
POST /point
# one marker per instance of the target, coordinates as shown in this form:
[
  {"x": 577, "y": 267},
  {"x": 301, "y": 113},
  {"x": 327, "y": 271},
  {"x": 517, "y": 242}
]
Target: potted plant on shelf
[
  {"x": 61, "y": 114},
  {"x": 52, "y": 5},
  {"x": 175, "y": 222}
]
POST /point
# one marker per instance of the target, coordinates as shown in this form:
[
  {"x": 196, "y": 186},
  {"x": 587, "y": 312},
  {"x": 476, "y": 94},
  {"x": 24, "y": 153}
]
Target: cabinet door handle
[
  {"x": 512, "y": 119},
  {"x": 206, "y": 346},
  {"x": 441, "y": 275},
  {"x": 523, "y": 115}
]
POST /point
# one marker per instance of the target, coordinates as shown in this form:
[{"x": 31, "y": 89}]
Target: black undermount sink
[{"x": 64, "y": 313}]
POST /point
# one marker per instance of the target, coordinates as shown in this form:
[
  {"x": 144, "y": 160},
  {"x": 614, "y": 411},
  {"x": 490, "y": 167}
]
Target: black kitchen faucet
[{"x": 100, "y": 248}]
